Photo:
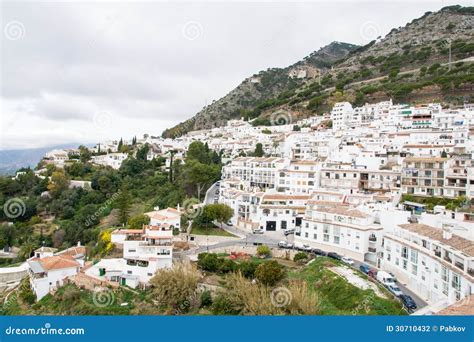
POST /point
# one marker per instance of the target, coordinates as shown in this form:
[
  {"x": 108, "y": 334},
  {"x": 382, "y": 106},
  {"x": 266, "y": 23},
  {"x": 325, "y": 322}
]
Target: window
[
  {"x": 283, "y": 224},
  {"x": 414, "y": 269},
  {"x": 414, "y": 256},
  {"x": 405, "y": 264},
  {"x": 336, "y": 239},
  {"x": 404, "y": 252},
  {"x": 306, "y": 234},
  {"x": 132, "y": 250},
  {"x": 315, "y": 236},
  {"x": 326, "y": 237}
]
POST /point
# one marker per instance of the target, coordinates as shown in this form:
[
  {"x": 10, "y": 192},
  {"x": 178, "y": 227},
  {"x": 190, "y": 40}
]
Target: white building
[
  {"x": 341, "y": 228},
  {"x": 49, "y": 272},
  {"x": 434, "y": 262}
]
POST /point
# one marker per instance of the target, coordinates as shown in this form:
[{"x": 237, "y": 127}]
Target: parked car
[
  {"x": 408, "y": 302},
  {"x": 289, "y": 232},
  {"x": 393, "y": 276},
  {"x": 395, "y": 290},
  {"x": 285, "y": 244},
  {"x": 364, "y": 268},
  {"x": 229, "y": 223},
  {"x": 257, "y": 231},
  {"x": 334, "y": 255},
  {"x": 318, "y": 252},
  {"x": 372, "y": 273},
  {"x": 304, "y": 248},
  {"x": 347, "y": 260},
  {"x": 385, "y": 278}
]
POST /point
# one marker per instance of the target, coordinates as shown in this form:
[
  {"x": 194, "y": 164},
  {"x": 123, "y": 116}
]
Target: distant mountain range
[
  {"x": 12, "y": 160},
  {"x": 407, "y": 65}
]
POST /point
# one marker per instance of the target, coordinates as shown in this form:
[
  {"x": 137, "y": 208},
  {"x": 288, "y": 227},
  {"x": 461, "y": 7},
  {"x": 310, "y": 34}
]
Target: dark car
[
  {"x": 334, "y": 255},
  {"x": 408, "y": 302},
  {"x": 318, "y": 252},
  {"x": 364, "y": 268},
  {"x": 372, "y": 273}
]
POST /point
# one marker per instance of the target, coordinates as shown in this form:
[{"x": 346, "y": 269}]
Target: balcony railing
[
  {"x": 470, "y": 271},
  {"x": 459, "y": 265},
  {"x": 438, "y": 254},
  {"x": 372, "y": 238},
  {"x": 161, "y": 243},
  {"x": 448, "y": 259}
]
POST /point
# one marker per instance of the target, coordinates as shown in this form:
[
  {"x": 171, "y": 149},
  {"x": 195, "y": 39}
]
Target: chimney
[{"x": 447, "y": 231}]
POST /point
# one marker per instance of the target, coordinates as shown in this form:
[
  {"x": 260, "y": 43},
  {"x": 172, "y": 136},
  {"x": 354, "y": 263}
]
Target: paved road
[
  {"x": 210, "y": 194},
  {"x": 419, "y": 302},
  {"x": 271, "y": 239}
]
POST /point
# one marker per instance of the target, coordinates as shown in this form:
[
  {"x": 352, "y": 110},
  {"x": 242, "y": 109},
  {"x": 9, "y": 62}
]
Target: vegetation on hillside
[{"x": 50, "y": 213}]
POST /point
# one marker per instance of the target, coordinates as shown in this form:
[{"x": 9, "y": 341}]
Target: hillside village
[
  {"x": 342, "y": 184},
  {"x": 386, "y": 186}
]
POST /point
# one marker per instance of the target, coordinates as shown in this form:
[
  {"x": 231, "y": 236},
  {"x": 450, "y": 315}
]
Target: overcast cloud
[{"x": 86, "y": 72}]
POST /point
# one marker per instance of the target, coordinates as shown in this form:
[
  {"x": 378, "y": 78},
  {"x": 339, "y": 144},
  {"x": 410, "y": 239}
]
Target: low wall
[{"x": 12, "y": 276}]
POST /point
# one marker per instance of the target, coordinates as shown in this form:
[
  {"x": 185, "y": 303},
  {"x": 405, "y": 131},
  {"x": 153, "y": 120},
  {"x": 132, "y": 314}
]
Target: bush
[
  {"x": 174, "y": 288},
  {"x": 264, "y": 251},
  {"x": 208, "y": 262},
  {"x": 269, "y": 273},
  {"x": 227, "y": 265},
  {"x": 224, "y": 305},
  {"x": 300, "y": 256},
  {"x": 206, "y": 299},
  {"x": 248, "y": 268}
]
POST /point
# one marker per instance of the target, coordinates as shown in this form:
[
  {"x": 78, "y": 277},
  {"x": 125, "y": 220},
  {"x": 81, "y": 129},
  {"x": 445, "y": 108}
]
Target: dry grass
[
  {"x": 256, "y": 299},
  {"x": 176, "y": 288}
]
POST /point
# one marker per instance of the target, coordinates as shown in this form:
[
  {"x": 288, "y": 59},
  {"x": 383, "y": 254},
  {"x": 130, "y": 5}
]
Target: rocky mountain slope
[{"x": 409, "y": 64}]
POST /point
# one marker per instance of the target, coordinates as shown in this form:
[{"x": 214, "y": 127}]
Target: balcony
[
  {"x": 448, "y": 259},
  {"x": 156, "y": 243},
  {"x": 459, "y": 265},
  {"x": 372, "y": 238},
  {"x": 470, "y": 271},
  {"x": 438, "y": 253},
  {"x": 372, "y": 250}
]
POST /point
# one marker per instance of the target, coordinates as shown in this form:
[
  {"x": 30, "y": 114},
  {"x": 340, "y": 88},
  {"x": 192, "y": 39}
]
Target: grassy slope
[{"x": 342, "y": 298}]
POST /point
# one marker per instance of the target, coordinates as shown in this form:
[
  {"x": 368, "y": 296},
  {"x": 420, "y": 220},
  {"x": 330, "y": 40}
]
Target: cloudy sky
[{"x": 83, "y": 72}]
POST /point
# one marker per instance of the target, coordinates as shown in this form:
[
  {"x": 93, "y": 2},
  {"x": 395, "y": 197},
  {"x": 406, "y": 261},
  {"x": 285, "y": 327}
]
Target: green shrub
[
  {"x": 208, "y": 262},
  {"x": 264, "y": 251},
  {"x": 206, "y": 299},
  {"x": 269, "y": 273},
  {"x": 248, "y": 268},
  {"x": 300, "y": 256},
  {"x": 227, "y": 265}
]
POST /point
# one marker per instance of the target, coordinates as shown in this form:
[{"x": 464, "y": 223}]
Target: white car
[
  {"x": 257, "y": 231},
  {"x": 348, "y": 261},
  {"x": 285, "y": 244},
  {"x": 395, "y": 290}
]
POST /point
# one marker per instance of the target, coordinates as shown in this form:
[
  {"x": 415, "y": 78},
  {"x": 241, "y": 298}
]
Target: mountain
[
  {"x": 261, "y": 87},
  {"x": 408, "y": 64},
  {"x": 13, "y": 160}
]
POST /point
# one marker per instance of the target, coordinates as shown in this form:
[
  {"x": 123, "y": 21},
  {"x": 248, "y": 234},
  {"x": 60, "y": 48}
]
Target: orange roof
[
  {"x": 58, "y": 262},
  {"x": 463, "y": 307}
]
